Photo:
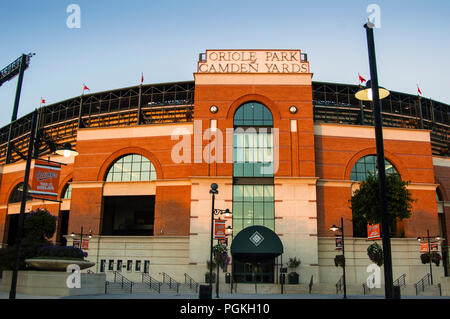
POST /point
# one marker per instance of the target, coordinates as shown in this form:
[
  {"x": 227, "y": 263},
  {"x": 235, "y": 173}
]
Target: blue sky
[{"x": 120, "y": 39}]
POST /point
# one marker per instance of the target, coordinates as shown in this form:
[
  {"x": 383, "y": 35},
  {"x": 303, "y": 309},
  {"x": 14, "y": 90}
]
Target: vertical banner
[
  {"x": 219, "y": 229},
  {"x": 373, "y": 232},
  {"x": 45, "y": 180},
  {"x": 435, "y": 247},
  {"x": 338, "y": 243},
  {"x": 424, "y": 247},
  {"x": 85, "y": 245}
]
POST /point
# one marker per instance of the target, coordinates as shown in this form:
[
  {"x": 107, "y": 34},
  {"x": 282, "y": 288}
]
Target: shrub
[
  {"x": 39, "y": 225},
  {"x": 62, "y": 252},
  {"x": 375, "y": 253},
  {"x": 339, "y": 261},
  {"x": 293, "y": 263}
]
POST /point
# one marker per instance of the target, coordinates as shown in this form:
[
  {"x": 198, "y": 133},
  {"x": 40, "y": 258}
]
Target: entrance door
[{"x": 255, "y": 272}]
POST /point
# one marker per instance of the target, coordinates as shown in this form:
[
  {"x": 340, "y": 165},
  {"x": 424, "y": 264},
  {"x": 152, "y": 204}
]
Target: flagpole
[
  {"x": 80, "y": 123},
  {"x": 140, "y": 101},
  {"x": 420, "y": 111}
]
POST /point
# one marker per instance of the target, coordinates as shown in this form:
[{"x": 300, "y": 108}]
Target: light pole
[
  {"x": 81, "y": 237},
  {"x": 341, "y": 229},
  {"x": 429, "y": 238},
  {"x": 33, "y": 151},
  {"x": 214, "y": 211},
  {"x": 374, "y": 93}
]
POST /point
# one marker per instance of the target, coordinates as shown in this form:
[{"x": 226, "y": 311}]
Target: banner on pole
[
  {"x": 338, "y": 243},
  {"x": 45, "y": 180},
  {"x": 373, "y": 232},
  {"x": 434, "y": 247},
  {"x": 219, "y": 229}
]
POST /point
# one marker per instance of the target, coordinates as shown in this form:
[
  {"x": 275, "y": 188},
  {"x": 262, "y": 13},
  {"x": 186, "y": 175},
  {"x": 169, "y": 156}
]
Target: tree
[
  {"x": 39, "y": 226},
  {"x": 365, "y": 202}
]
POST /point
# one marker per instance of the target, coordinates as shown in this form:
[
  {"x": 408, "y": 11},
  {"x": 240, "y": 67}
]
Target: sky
[{"x": 117, "y": 40}]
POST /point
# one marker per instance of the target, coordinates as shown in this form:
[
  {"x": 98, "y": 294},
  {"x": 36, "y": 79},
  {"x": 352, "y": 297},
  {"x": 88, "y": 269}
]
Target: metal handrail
[
  {"x": 425, "y": 281},
  {"x": 170, "y": 281},
  {"x": 151, "y": 282},
  {"x": 400, "y": 281},
  {"x": 125, "y": 283},
  {"x": 191, "y": 282}
]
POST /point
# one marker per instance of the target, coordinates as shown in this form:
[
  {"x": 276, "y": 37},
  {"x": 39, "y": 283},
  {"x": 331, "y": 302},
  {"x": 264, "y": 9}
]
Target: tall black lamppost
[
  {"x": 214, "y": 211},
  {"x": 341, "y": 230},
  {"x": 429, "y": 238},
  {"x": 33, "y": 152},
  {"x": 374, "y": 93}
]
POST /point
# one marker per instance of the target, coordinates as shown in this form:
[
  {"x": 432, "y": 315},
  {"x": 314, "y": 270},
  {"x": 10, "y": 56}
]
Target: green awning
[{"x": 256, "y": 243}]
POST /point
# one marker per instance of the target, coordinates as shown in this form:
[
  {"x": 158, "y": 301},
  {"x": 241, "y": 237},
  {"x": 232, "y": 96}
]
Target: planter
[
  {"x": 293, "y": 278},
  {"x": 57, "y": 264}
]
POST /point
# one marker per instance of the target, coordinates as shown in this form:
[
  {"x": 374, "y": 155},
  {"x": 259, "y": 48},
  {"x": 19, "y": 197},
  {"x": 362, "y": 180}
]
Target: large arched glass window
[
  {"x": 368, "y": 165},
  {"x": 253, "y": 190},
  {"x": 253, "y": 114},
  {"x": 253, "y": 141},
  {"x": 17, "y": 193},
  {"x": 131, "y": 168},
  {"x": 67, "y": 191}
]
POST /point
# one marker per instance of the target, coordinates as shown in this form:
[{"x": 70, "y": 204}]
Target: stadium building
[{"x": 286, "y": 153}]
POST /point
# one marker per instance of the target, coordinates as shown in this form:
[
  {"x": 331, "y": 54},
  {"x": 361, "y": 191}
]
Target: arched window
[
  {"x": 17, "y": 193},
  {"x": 131, "y": 167},
  {"x": 253, "y": 114},
  {"x": 368, "y": 165},
  {"x": 253, "y": 190},
  {"x": 67, "y": 191},
  {"x": 253, "y": 141}
]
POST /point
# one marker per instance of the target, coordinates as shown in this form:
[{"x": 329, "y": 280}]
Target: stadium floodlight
[{"x": 13, "y": 69}]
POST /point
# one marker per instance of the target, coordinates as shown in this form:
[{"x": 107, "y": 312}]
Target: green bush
[
  {"x": 39, "y": 227},
  {"x": 62, "y": 252}
]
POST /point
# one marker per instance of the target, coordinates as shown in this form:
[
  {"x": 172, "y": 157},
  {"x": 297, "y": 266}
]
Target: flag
[
  {"x": 418, "y": 90},
  {"x": 85, "y": 88},
  {"x": 142, "y": 77},
  {"x": 361, "y": 79},
  {"x": 42, "y": 101}
]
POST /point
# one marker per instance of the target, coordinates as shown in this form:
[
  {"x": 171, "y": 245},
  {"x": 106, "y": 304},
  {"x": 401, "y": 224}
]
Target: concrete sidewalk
[{"x": 5, "y": 295}]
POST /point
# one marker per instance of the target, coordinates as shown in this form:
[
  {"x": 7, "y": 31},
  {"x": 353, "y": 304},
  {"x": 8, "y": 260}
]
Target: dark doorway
[
  {"x": 63, "y": 227},
  {"x": 13, "y": 223},
  {"x": 128, "y": 216},
  {"x": 254, "y": 272}
]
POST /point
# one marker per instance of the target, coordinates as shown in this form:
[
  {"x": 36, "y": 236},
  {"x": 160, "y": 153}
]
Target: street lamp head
[
  {"x": 438, "y": 238},
  {"x": 366, "y": 94},
  {"x": 334, "y": 228},
  {"x": 72, "y": 235},
  {"x": 229, "y": 229},
  {"x": 214, "y": 188},
  {"x": 227, "y": 213},
  {"x": 66, "y": 150},
  {"x": 419, "y": 239}
]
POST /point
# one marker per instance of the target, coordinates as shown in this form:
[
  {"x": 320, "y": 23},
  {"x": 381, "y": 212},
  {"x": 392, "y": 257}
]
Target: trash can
[
  {"x": 205, "y": 292},
  {"x": 396, "y": 294}
]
